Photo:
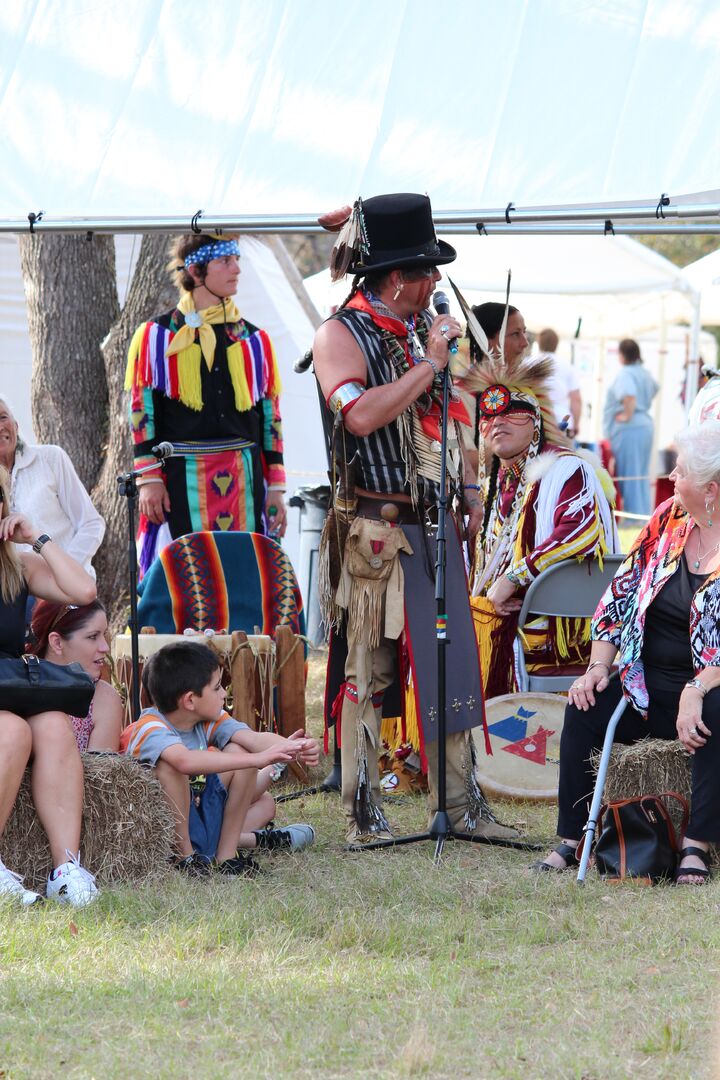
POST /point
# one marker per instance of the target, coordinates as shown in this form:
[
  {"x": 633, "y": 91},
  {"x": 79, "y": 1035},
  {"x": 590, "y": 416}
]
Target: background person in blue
[{"x": 629, "y": 427}]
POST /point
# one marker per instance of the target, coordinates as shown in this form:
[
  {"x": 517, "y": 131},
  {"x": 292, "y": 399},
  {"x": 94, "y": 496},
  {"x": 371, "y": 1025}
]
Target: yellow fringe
[
  {"x": 561, "y": 637},
  {"x": 484, "y": 620},
  {"x": 238, "y": 377},
  {"x": 189, "y": 377},
  {"x": 391, "y": 729},
  {"x": 133, "y": 353}
]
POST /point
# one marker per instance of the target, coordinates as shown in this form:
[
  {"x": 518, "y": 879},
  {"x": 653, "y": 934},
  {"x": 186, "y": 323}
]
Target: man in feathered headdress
[
  {"x": 206, "y": 380},
  {"x": 543, "y": 502},
  {"x": 379, "y": 363}
]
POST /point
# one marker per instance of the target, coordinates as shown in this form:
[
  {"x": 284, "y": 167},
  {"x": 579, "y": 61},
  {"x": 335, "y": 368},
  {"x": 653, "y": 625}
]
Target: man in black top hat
[{"x": 379, "y": 362}]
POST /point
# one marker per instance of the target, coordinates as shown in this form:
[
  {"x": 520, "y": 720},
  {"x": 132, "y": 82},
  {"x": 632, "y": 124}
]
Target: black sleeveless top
[
  {"x": 12, "y": 625},
  {"x": 382, "y": 468},
  {"x": 666, "y": 654}
]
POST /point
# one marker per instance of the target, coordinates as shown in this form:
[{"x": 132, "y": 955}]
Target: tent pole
[
  {"x": 692, "y": 376},
  {"x": 577, "y": 220}
]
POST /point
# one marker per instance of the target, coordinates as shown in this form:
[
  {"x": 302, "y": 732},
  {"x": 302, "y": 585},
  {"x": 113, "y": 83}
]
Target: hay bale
[
  {"x": 649, "y": 767},
  {"x": 127, "y": 825}
]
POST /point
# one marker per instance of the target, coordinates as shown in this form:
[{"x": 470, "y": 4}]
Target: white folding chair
[{"x": 572, "y": 590}]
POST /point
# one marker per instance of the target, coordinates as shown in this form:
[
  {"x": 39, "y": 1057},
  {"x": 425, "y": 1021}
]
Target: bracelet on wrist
[
  {"x": 697, "y": 685},
  {"x": 598, "y": 663},
  {"x": 433, "y": 365},
  {"x": 471, "y": 487}
]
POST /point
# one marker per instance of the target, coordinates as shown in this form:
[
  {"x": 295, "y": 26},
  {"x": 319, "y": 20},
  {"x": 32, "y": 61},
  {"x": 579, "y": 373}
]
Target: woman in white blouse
[{"x": 46, "y": 487}]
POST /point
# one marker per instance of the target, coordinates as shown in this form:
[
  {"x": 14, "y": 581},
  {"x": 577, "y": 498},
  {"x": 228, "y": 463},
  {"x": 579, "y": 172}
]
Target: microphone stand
[
  {"x": 441, "y": 829},
  {"x": 127, "y": 488}
]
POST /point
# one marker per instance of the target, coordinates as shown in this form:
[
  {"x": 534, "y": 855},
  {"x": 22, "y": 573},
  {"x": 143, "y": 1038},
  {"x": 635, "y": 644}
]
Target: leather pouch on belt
[{"x": 372, "y": 574}]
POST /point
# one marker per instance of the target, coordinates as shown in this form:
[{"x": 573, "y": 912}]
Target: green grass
[{"x": 342, "y": 965}]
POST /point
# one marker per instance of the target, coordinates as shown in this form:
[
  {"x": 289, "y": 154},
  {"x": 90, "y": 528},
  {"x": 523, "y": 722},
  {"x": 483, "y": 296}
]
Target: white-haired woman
[
  {"x": 45, "y": 739},
  {"x": 45, "y": 486},
  {"x": 660, "y": 617}
]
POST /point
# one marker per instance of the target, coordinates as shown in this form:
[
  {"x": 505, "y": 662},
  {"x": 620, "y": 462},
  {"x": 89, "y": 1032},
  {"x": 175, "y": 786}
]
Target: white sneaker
[
  {"x": 71, "y": 883},
  {"x": 288, "y": 837},
  {"x": 11, "y": 886}
]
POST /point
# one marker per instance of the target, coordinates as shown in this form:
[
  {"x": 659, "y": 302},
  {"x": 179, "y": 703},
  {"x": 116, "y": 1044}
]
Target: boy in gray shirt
[{"x": 187, "y": 734}]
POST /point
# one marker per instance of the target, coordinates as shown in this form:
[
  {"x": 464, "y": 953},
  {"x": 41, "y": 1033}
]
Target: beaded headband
[
  {"x": 208, "y": 252},
  {"x": 497, "y": 400}
]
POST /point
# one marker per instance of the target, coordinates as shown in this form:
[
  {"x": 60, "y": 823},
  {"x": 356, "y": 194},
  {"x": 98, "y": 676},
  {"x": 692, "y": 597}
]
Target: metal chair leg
[{"x": 590, "y": 828}]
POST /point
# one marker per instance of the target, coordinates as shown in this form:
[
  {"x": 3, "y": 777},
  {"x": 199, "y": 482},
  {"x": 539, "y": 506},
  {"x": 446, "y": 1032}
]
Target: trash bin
[{"x": 312, "y": 503}]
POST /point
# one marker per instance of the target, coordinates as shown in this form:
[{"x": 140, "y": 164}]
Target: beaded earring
[{"x": 399, "y": 289}]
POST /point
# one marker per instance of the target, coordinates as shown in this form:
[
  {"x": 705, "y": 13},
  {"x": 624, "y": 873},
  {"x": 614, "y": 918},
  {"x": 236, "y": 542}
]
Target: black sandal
[
  {"x": 566, "y": 852},
  {"x": 694, "y": 871}
]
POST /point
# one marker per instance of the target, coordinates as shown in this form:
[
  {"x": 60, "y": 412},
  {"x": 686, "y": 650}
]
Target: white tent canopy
[
  {"x": 617, "y": 285},
  {"x": 270, "y": 106},
  {"x": 704, "y": 276},
  {"x": 614, "y": 287}
]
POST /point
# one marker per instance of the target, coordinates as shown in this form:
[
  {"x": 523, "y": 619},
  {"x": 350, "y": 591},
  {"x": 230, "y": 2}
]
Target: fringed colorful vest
[{"x": 251, "y": 358}]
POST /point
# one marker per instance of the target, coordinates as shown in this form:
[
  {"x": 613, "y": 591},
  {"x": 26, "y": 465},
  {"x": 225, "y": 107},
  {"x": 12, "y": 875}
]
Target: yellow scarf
[{"x": 226, "y": 312}]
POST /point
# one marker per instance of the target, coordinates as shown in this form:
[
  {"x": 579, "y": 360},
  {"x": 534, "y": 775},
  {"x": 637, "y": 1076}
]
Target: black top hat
[{"x": 397, "y": 231}]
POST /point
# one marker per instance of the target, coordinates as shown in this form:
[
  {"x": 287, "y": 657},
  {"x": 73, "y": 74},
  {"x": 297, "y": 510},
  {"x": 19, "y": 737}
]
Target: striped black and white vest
[{"x": 382, "y": 468}]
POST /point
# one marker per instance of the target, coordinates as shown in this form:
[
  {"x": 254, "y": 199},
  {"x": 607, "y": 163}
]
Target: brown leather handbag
[{"x": 637, "y": 839}]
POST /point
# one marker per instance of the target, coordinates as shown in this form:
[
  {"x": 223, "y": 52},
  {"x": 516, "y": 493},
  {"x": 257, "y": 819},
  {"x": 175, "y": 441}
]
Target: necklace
[{"x": 700, "y": 555}]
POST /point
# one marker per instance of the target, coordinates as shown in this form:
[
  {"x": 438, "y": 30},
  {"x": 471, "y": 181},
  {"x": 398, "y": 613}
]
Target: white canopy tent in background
[
  {"x": 616, "y": 286},
  {"x": 704, "y": 275}
]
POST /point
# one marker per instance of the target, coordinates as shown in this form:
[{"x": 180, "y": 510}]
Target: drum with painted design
[{"x": 525, "y": 732}]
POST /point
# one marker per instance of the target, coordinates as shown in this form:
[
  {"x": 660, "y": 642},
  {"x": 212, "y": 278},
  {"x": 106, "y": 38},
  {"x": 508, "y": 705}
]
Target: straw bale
[
  {"x": 127, "y": 825},
  {"x": 649, "y": 767}
]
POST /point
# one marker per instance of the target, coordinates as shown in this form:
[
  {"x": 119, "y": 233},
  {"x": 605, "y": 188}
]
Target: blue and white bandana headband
[{"x": 209, "y": 252}]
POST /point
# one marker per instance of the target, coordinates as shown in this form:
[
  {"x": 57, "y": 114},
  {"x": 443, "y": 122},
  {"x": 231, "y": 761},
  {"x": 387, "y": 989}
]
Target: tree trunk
[
  {"x": 151, "y": 292},
  {"x": 71, "y": 303}
]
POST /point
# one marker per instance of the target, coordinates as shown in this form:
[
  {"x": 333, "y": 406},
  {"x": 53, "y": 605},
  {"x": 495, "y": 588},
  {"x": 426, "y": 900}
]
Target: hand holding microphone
[{"x": 450, "y": 328}]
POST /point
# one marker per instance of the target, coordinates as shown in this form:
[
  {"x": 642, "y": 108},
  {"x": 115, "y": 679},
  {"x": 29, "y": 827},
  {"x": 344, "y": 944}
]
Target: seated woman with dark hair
[
  {"x": 66, "y": 633},
  {"x": 660, "y": 617},
  {"x": 45, "y": 738}
]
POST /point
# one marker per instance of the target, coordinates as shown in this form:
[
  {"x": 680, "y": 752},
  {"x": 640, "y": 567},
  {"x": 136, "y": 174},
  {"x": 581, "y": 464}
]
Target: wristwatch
[
  {"x": 41, "y": 541},
  {"x": 698, "y": 685}
]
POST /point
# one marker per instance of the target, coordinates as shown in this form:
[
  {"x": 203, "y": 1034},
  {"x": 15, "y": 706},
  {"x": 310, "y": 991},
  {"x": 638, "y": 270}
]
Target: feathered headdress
[{"x": 502, "y": 387}]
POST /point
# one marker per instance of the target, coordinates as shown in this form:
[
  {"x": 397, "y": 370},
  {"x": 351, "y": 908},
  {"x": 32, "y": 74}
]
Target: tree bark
[
  {"x": 72, "y": 302},
  {"x": 151, "y": 292}
]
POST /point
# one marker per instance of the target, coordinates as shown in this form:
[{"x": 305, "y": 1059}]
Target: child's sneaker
[
  {"x": 289, "y": 838},
  {"x": 241, "y": 866},
  {"x": 193, "y": 865},
  {"x": 71, "y": 883},
  {"x": 11, "y": 886}
]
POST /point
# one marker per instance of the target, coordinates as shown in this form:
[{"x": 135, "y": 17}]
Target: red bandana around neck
[{"x": 430, "y": 421}]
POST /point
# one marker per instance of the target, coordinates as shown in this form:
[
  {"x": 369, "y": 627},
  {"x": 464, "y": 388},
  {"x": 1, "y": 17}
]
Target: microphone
[
  {"x": 163, "y": 450},
  {"x": 442, "y": 307},
  {"x": 303, "y": 363}
]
